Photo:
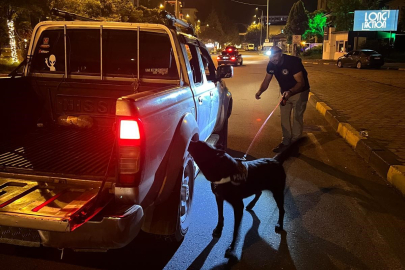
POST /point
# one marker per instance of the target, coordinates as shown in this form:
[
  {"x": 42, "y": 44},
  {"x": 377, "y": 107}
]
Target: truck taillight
[
  {"x": 129, "y": 129},
  {"x": 129, "y": 152}
]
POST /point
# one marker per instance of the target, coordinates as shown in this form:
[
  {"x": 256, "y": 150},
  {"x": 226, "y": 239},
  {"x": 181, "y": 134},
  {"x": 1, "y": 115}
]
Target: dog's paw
[{"x": 216, "y": 233}]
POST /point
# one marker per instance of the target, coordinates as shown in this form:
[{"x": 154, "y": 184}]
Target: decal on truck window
[
  {"x": 154, "y": 71},
  {"x": 45, "y": 43},
  {"x": 52, "y": 62}
]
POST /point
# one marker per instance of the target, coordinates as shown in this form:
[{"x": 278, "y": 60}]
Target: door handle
[
  {"x": 200, "y": 100},
  {"x": 211, "y": 94}
]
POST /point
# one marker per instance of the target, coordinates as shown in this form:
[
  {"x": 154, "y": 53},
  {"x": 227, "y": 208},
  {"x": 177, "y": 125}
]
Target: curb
[
  {"x": 334, "y": 64},
  {"x": 384, "y": 162}
]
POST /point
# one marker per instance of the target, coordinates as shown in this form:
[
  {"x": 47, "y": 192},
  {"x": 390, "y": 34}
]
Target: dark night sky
[{"x": 244, "y": 13}]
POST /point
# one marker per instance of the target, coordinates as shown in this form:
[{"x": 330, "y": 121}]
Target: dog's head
[{"x": 214, "y": 163}]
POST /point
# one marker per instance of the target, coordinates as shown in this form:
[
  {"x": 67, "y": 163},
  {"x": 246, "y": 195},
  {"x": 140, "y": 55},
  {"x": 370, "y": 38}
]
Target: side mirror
[{"x": 224, "y": 71}]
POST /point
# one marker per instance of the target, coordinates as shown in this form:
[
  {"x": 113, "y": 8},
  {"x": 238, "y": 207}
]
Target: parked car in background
[
  {"x": 361, "y": 58},
  {"x": 251, "y": 47},
  {"x": 230, "y": 56}
]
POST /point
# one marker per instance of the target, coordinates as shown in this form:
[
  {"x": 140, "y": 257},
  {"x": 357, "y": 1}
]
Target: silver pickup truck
[{"x": 95, "y": 131}]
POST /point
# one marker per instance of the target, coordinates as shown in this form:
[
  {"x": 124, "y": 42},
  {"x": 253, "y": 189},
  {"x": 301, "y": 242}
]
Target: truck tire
[
  {"x": 171, "y": 218},
  {"x": 186, "y": 183}
]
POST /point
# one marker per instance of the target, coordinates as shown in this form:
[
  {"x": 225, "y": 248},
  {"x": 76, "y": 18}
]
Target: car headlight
[{"x": 268, "y": 53}]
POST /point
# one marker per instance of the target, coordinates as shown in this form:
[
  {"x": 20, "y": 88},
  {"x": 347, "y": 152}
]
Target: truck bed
[{"x": 58, "y": 151}]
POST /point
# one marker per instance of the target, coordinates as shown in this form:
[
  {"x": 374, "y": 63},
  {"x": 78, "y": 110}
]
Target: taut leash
[{"x": 260, "y": 130}]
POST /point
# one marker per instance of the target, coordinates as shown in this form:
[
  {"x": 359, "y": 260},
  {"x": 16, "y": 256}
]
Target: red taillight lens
[
  {"x": 129, "y": 129},
  {"x": 129, "y": 152},
  {"x": 219, "y": 57},
  {"x": 233, "y": 58},
  {"x": 229, "y": 50}
]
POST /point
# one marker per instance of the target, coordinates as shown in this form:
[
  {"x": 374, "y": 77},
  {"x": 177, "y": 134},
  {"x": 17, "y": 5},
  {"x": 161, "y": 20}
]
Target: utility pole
[{"x": 267, "y": 22}]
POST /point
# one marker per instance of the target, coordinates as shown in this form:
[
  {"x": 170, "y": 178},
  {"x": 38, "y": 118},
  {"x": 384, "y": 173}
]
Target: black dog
[{"x": 233, "y": 180}]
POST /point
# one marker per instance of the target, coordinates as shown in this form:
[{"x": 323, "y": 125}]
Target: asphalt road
[{"x": 339, "y": 214}]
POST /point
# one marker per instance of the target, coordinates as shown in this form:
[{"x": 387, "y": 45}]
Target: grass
[{"x": 6, "y": 66}]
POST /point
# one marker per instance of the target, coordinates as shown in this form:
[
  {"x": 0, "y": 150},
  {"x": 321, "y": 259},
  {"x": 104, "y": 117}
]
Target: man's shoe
[{"x": 280, "y": 148}]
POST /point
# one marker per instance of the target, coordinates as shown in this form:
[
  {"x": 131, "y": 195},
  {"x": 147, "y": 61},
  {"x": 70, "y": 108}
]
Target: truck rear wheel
[
  {"x": 186, "y": 180},
  {"x": 169, "y": 220}
]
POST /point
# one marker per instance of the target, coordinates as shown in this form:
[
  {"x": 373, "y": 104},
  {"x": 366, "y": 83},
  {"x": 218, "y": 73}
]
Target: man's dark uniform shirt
[{"x": 285, "y": 73}]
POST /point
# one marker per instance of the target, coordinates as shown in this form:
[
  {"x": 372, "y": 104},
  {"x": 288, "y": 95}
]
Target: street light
[{"x": 161, "y": 6}]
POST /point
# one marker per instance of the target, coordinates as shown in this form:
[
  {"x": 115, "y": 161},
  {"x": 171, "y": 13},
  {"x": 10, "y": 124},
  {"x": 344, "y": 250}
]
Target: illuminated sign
[{"x": 375, "y": 20}]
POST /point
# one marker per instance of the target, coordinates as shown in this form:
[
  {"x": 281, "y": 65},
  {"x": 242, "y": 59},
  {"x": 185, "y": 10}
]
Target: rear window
[
  {"x": 83, "y": 51},
  {"x": 155, "y": 51},
  {"x": 369, "y": 52},
  {"x": 49, "y": 54},
  {"x": 119, "y": 53}
]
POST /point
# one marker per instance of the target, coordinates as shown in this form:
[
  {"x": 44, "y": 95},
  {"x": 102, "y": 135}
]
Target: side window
[
  {"x": 194, "y": 62},
  {"x": 355, "y": 53},
  {"x": 209, "y": 66},
  {"x": 350, "y": 54},
  {"x": 83, "y": 51},
  {"x": 49, "y": 54}
]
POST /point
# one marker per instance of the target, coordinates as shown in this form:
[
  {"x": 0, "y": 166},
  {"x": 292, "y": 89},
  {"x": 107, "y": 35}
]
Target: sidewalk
[
  {"x": 393, "y": 66},
  {"x": 370, "y": 116}
]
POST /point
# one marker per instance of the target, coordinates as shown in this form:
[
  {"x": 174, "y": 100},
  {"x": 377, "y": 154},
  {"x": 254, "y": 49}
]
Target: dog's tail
[{"x": 292, "y": 149}]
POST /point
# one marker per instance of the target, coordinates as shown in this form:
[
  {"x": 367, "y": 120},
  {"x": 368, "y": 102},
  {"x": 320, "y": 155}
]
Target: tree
[
  {"x": 231, "y": 31},
  {"x": 297, "y": 22},
  {"x": 214, "y": 30},
  {"x": 253, "y": 34},
  {"x": 342, "y": 11},
  {"x": 316, "y": 24},
  {"x": 17, "y": 18}
]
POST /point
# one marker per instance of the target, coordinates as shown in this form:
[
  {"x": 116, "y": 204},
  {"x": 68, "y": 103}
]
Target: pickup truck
[{"x": 95, "y": 131}]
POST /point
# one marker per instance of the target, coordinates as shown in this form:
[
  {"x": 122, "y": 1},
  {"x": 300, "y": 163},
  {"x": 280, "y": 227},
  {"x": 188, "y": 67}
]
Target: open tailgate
[{"x": 48, "y": 206}]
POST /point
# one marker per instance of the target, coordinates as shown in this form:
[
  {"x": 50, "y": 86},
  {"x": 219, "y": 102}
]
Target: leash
[{"x": 260, "y": 130}]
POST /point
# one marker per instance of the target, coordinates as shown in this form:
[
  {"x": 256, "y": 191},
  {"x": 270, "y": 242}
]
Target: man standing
[{"x": 294, "y": 86}]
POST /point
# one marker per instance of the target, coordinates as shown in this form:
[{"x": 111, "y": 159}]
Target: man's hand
[
  {"x": 287, "y": 95},
  {"x": 258, "y": 93}
]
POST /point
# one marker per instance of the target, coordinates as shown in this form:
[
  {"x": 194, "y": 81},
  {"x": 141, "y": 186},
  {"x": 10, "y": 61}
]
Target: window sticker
[
  {"x": 52, "y": 62},
  {"x": 155, "y": 71},
  {"x": 45, "y": 43}
]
